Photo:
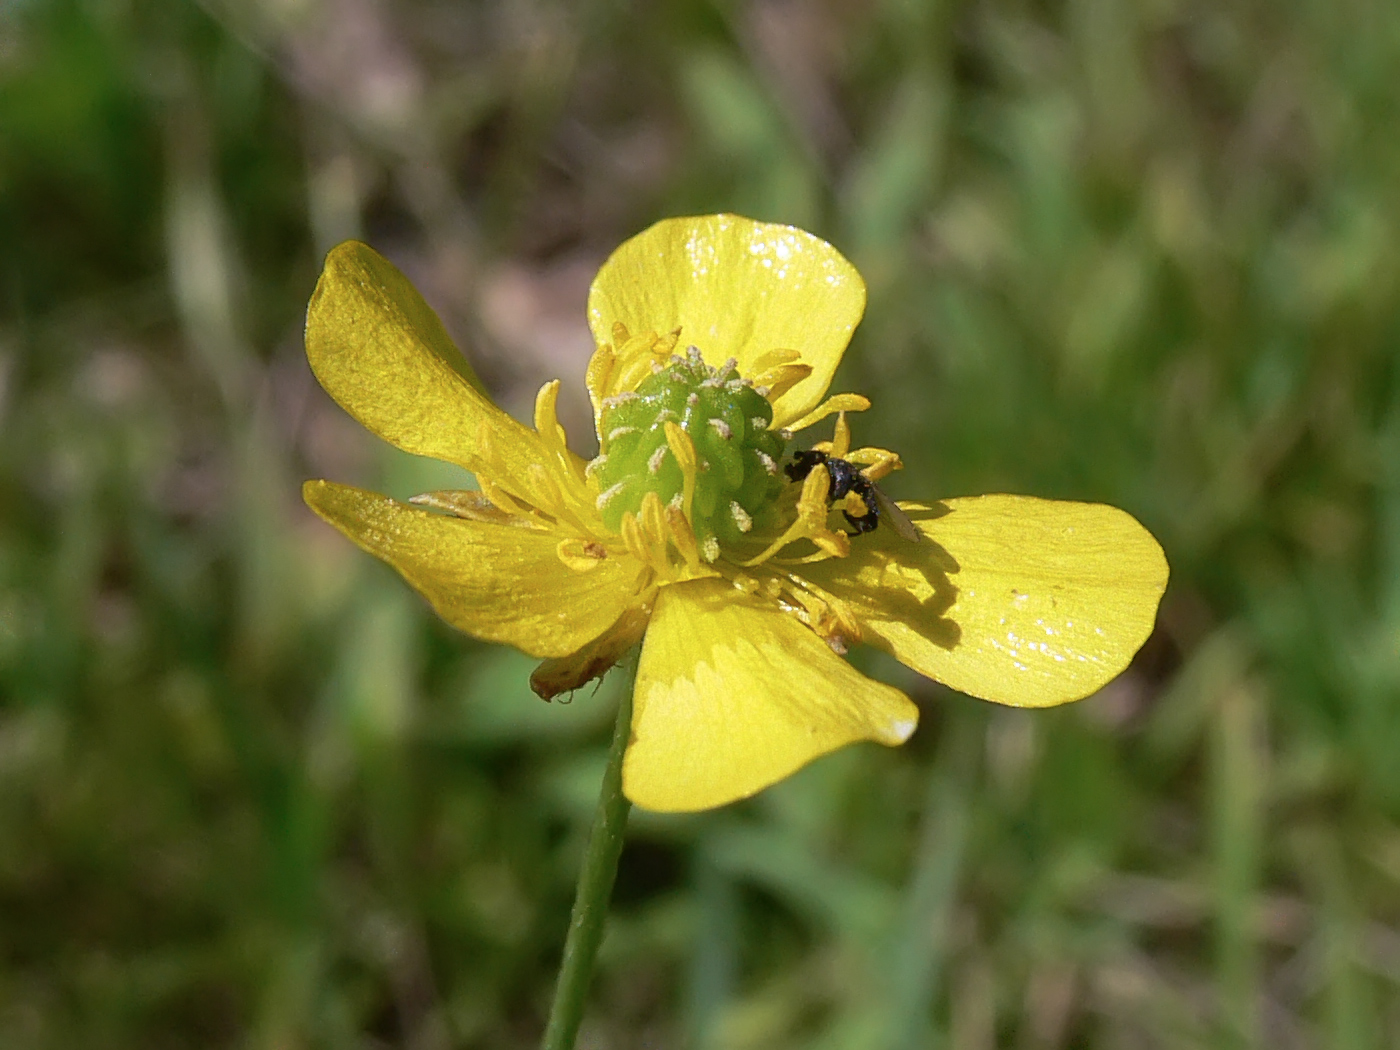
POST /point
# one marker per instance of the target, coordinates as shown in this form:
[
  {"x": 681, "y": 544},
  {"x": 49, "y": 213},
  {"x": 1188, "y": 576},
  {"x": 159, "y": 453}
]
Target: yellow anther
[
  {"x": 635, "y": 357},
  {"x": 878, "y": 462},
  {"x": 653, "y": 519},
  {"x": 781, "y": 378},
  {"x": 547, "y": 417},
  {"x": 666, "y": 344},
  {"x": 554, "y": 438},
  {"x": 841, "y": 438},
  {"x": 835, "y": 403},
  {"x": 545, "y": 485},
  {"x": 598, "y": 379},
  {"x": 854, "y": 505},
  {"x": 811, "y": 505},
  {"x": 503, "y": 499},
  {"x": 772, "y": 359},
  {"x": 633, "y": 539},
  {"x": 684, "y": 451},
  {"x": 745, "y": 583},
  {"x": 817, "y": 611},
  {"x": 683, "y": 537},
  {"x": 811, "y": 517},
  {"x": 832, "y": 617},
  {"x": 581, "y": 555},
  {"x": 488, "y": 449}
]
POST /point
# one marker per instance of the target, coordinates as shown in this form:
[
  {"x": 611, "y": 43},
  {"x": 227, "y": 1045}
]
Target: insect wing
[{"x": 894, "y": 517}]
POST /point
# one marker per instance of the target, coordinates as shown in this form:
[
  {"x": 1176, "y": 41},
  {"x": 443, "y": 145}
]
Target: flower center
[{"x": 727, "y": 420}]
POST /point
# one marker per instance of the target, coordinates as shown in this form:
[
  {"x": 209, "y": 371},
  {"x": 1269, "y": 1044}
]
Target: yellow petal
[
  {"x": 1023, "y": 601},
  {"x": 735, "y": 288},
  {"x": 733, "y": 694},
  {"x": 497, "y": 582},
  {"x": 382, "y": 353}
]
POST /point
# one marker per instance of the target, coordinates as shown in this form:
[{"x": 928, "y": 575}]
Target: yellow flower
[{"x": 717, "y": 337}]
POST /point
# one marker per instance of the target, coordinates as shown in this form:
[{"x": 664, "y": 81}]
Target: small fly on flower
[{"x": 846, "y": 478}]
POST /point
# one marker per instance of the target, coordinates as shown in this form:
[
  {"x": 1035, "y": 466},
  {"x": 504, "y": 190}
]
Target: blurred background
[{"x": 252, "y": 794}]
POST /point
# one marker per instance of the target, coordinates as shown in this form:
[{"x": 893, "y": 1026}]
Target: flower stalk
[{"x": 595, "y": 883}]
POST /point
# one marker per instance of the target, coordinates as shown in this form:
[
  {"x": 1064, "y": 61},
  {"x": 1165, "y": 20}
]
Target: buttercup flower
[{"x": 745, "y": 583}]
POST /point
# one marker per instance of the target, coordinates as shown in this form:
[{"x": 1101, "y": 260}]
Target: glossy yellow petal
[
  {"x": 382, "y": 353},
  {"x": 497, "y": 582},
  {"x": 1023, "y": 601},
  {"x": 735, "y": 288},
  {"x": 733, "y": 695}
]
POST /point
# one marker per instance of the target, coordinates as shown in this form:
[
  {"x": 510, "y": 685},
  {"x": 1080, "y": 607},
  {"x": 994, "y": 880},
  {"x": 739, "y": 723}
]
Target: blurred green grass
[{"x": 253, "y": 794}]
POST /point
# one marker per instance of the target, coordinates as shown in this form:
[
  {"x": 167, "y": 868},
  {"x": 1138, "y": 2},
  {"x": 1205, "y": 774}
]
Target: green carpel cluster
[{"x": 728, "y": 421}]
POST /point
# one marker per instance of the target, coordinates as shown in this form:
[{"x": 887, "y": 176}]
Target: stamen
[
  {"x": 810, "y": 523},
  {"x": 657, "y": 458},
  {"x": 836, "y": 403},
  {"x": 678, "y": 441},
  {"x": 879, "y": 463},
  {"x": 773, "y": 359},
  {"x": 709, "y": 550},
  {"x": 841, "y": 438},
  {"x": 781, "y": 378},
  {"x": 505, "y": 501},
  {"x": 758, "y": 423},
  {"x": 633, "y": 539},
  {"x": 767, "y": 461},
  {"x": 654, "y": 524},
  {"x": 721, "y": 428},
  {"x": 595, "y": 464},
  {"x": 761, "y": 391},
  {"x": 580, "y": 555},
  {"x": 682, "y": 536},
  {"x": 547, "y": 485},
  {"x": 598, "y": 379},
  {"x": 613, "y": 435},
  {"x": 547, "y": 418}
]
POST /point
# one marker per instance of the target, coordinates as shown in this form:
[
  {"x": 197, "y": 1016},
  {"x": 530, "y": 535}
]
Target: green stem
[{"x": 595, "y": 883}]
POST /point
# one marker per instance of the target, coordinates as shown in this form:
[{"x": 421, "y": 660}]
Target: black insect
[{"x": 846, "y": 478}]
